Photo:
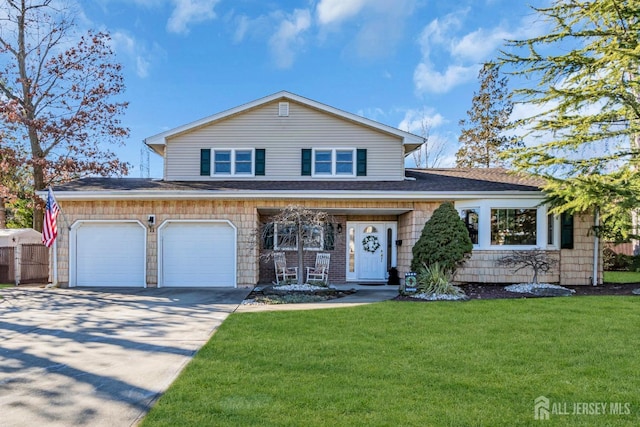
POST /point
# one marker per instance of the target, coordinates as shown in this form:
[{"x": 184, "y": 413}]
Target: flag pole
[
  {"x": 54, "y": 246},
  {"x": 55, "y": 264}
]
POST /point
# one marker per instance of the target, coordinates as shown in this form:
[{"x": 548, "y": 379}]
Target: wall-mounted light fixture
[
  {"x": 339, "y": 228},
  {"x": 151, "y": 221}
]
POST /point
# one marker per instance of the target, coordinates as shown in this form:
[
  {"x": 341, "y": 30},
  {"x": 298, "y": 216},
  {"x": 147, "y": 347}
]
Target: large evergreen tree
[
  {"x": 444, "y": 240},
  {"x": 483, "y": 132},
  {"x": 583, "y": 103}
]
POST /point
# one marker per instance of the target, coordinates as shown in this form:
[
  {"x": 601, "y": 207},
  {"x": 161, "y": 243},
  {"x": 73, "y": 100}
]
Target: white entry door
[{"x": 370, "y": 250}]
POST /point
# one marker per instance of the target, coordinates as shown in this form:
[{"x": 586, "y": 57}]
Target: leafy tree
[
  {"x": 583, "y": 103},
  {"x": 483, "y": 132},
  {"x": 445, "y": 240},
  {"x": 56, "y": 90},
  {"x": 13, "y": 182},
  {"x": 300, "y": 224}
]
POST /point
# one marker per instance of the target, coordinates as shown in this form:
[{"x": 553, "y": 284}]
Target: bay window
[{"x": 503, "y": 224}]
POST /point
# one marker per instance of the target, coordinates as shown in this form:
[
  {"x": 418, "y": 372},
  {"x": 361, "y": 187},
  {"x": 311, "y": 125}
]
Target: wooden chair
[
  {"x": 320, "y": 273},
  {"x": 284, "y": 273}
]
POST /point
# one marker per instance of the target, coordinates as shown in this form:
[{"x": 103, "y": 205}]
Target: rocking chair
[
  {"x": 284, "y": 273},
  {"x": 320, "y": 273}
]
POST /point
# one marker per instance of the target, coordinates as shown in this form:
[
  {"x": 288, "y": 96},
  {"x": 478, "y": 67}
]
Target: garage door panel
[
  {"x": 198, "y": 254},
  {"x": 110, "y": 254}
]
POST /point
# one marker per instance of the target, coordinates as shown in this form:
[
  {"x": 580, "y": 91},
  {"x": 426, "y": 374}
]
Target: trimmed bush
[
  {"x": 619, "y": 262},
  {"x": 444, "y": 240}
]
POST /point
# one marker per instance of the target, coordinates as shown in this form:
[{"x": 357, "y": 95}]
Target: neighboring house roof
[
  {"x": 420, "y": 184},
  {"x": 157, "y": 142}
]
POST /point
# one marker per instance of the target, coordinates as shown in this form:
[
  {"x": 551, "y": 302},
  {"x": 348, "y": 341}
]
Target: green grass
[
  {"x": 622, "y": 277},
  {"x": 478, "y": 363}
]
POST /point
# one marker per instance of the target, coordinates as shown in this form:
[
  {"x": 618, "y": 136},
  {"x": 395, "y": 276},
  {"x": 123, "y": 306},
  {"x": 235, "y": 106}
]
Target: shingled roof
[{"x": 418, "y": 180}]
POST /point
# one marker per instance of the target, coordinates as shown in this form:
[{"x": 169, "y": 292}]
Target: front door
[{"x": 370, "y": 250}]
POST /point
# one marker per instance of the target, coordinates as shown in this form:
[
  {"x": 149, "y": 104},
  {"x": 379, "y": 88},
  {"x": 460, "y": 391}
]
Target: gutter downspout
[{"x": 596, "y": 241}]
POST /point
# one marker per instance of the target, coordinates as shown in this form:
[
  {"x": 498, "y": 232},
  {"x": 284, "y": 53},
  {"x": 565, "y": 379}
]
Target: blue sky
[{"x": 400, "y": 62}]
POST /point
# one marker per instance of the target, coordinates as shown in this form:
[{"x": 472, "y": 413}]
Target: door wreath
[{"x": 370, "y": 244}]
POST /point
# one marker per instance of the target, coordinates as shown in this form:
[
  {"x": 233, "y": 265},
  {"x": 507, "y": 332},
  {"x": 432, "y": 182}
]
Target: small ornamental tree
[
  {"x": 445, "y": 240},
  {"x": 535, "y": 259},
  {"x": 300, "y": 223}
]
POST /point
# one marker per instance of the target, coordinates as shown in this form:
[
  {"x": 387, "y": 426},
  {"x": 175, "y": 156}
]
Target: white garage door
[
  {"x": 110, "y": 254},
  {"x": 198, "y": 254}
]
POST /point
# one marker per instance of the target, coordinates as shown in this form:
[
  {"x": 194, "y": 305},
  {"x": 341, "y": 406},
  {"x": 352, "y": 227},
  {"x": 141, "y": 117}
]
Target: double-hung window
[
  {"x": 233, "y": 162},
  {"x": 286, "y": 236},
  {"x": 334, "y": 162}
]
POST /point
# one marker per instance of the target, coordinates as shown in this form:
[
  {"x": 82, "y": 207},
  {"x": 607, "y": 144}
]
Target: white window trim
[
  {"x": 333, "y": 173},
  {"x": 294, "y": 248},
  {"x": 233, "y": 162},
  {"x": 484, "y": 222}
]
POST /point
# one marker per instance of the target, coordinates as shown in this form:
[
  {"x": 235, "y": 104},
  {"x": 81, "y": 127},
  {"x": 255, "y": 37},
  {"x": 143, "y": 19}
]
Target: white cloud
[
  {"x": 379, "y": 24},
  {"x": 437, "y": 36},
  {"x": 136, "y": 51},
  {"x": 335, "y": 11},
  {"x": 289, "y": 37},
  {"x": 443, "y": 41},
  {"x": 427, "y": 79},
  {"x": 419, "y": 121},
  {"x": 241, "y": 28},
  {"x": 187, "y": 12},
  {"x": 480, "y": 44}
]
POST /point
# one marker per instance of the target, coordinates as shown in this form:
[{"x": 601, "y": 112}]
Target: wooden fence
[
  {"x": 27, "y": 263},
  {"x": 7, "y": 265}
]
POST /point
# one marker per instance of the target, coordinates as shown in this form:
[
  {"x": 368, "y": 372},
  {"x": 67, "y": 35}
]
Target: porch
[{"x": 363, "y": 243}]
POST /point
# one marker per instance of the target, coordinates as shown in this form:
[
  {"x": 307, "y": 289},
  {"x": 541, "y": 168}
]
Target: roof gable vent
[{"x": 283, "y": 109}]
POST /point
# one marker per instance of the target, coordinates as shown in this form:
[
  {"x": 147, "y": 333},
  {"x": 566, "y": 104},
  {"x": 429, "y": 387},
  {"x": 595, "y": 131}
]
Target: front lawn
[
  {"x": 482, "y": 362},
  {"x": 622, "y": 277}
]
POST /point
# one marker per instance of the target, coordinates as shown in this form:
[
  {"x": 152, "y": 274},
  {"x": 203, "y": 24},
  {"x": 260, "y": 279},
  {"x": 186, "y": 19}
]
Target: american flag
[{"x": 50, "y": 226}]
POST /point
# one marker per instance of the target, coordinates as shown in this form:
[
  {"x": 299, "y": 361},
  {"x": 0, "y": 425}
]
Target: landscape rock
[
  {"x": 636, "y": 291},
  {"x": 551, "y": 292}
]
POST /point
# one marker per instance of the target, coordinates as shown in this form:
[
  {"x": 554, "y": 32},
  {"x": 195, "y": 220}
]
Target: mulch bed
[
  {"x": 268, "y": 295},
  {"x": 483, "y": 291}
]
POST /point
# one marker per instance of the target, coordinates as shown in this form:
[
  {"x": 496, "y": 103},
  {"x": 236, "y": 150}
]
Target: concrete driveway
[{"x": 71, "y": 357}]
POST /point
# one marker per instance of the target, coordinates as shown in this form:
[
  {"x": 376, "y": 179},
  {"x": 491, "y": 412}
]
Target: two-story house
[{"x": 227, "y": 174}]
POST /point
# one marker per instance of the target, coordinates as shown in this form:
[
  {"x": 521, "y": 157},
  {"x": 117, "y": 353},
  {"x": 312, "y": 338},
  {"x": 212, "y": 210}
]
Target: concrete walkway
[{"x": 79, "y": 357}]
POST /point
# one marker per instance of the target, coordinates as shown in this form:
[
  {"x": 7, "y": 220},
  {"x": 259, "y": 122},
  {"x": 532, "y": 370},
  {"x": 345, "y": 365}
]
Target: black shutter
[
  {"x": 329, "y": 238},
  {"x": 205, "y": 162},
  {"x": 260, "y": 161},
  {"x": 306, "y": 162},
  {"x": 267, "y": 236},
  {"x": 361, "y": 167},
  {"x": 566, "y": 231}
]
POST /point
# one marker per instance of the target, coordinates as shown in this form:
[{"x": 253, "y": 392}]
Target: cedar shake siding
[{"x": 574, "y": 269}]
